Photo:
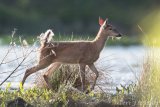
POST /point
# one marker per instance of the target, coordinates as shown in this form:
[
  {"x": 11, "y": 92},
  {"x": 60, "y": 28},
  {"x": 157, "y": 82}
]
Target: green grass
[
  {"x": 6, "y": 40},
  {"x": 46, "y": 98},
  {"x": 34, "y": 96},
  {"x": 148, "y": 88},
  {"x": 65, "y": 93},
  {"x": 124, "y": 41},
  {"x": 65, "y": 96}
]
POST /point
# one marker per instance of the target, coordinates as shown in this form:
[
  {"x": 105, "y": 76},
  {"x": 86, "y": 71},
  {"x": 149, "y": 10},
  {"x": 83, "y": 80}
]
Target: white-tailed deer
[{"x": 84, "y": 53}]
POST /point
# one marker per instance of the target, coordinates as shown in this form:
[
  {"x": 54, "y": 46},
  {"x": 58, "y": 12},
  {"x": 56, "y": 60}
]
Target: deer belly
[
  {"x": 78, "y": 58},
  {"x": 88, "y": 59},
  {"x": 68, "y": 59}
]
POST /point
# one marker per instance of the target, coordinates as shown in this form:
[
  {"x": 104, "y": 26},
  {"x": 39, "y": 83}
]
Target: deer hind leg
[
  {"x": 93, "y": 68},
  {"x": 49, "y": 72},
  {"x": 82, "y": 75}
]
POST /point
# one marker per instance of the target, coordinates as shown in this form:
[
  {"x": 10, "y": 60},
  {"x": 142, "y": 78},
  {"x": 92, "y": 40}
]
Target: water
[
  {"x": 117, "y": 65},
  {"x": 122, "y": 64}
]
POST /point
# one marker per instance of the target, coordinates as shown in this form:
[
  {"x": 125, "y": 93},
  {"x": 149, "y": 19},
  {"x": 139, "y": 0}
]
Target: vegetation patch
[{"x": 125, "y": 40}]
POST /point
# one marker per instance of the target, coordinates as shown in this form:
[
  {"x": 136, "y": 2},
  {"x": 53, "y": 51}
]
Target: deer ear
[
  {"x": 106, "y": 20},
  {"x": 101, "y": 21}
]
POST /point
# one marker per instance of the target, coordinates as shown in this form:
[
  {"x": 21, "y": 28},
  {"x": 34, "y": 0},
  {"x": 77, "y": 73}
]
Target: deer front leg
[
  {"x": 82, "y": 75},
  {"x": 33, "y": 70},
  {"x": 93, "y": 68},
  {"x": 49, "y": 72}
]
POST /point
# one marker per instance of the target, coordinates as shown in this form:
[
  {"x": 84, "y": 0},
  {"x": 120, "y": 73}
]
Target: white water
[{"x": 120, "y": 65}]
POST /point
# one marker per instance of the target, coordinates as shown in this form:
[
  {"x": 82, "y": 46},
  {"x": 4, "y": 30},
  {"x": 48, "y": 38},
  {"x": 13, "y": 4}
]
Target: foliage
[
  {"x": 125, "y": 41},
  {"x": 66, "y": 75},
  {"x": 150, "y": 26},
  {"x": 148, "y": 88},
  {"x": 80, "y": 17},
  {"x": 45, "y": 98},
  {"x": 147, "y": 92},
  {"x": 125, "y": 95},
  {"x": 34, "y": 96}
]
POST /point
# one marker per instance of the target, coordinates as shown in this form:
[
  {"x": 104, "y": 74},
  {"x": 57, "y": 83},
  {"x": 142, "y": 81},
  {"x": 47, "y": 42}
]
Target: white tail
[
  {"x": 84, "y": 53},
  {"x": 46, "y": 37}
]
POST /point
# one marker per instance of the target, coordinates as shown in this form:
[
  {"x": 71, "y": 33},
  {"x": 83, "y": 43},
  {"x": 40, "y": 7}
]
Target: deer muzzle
[{"x": 118, "y": 36}]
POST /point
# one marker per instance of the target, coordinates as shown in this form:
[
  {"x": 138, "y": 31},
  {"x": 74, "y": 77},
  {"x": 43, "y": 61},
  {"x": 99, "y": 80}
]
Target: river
[{"x": 117, "y": 65}]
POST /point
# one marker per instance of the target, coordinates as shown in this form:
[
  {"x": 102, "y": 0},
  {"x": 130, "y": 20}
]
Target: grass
[
  {"x": 5, "y": 40},
  {"x": 66, "y": 74},
  {"x": 148, "y": 88},
  {"x": 125, "y": 41},
  {"x": 34, "y": 96},
  {"x": 65, "y": 96},
  {"x": 47, "y": 98},
  {"x": 66, "y": 92}
]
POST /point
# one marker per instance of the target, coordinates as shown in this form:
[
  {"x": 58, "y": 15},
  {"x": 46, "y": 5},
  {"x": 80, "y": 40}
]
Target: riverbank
[{"x": 125, "y": 40}]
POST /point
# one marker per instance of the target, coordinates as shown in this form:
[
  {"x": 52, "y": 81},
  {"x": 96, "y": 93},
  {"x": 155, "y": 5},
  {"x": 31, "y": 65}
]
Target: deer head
[{"x": 108, "y": 29}]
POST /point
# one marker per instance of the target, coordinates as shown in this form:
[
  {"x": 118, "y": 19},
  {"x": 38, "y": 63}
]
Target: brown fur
[{"x": 53, "y": 54}]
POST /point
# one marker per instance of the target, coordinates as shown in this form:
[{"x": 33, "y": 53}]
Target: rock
[{"x": 18, "y": 102}]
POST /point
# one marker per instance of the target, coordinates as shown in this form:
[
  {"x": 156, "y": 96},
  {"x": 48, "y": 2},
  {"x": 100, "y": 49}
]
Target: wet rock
[{"x": 18, "y": 102}]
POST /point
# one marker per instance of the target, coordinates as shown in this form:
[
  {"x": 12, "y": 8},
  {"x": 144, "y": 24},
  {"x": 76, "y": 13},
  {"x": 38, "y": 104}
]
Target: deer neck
[{"x": 100, "y": 40}]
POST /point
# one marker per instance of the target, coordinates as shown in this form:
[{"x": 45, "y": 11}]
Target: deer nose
[{"x": 119, "y": 35}]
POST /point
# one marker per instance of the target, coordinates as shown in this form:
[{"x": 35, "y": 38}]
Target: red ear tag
[{"x": 101, "y": 21}]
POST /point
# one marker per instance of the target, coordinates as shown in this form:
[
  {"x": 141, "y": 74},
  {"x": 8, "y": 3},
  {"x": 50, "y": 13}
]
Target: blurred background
[
  {"x": 138, "y": 20},
  {"x": 78, "y": 17}
]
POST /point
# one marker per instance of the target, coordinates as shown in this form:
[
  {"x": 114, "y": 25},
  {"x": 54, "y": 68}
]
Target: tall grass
[
  {"x": 125, "y": 41},
  {"x": 66, "y": 75},
  {"x": 148, "y": 89}
]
